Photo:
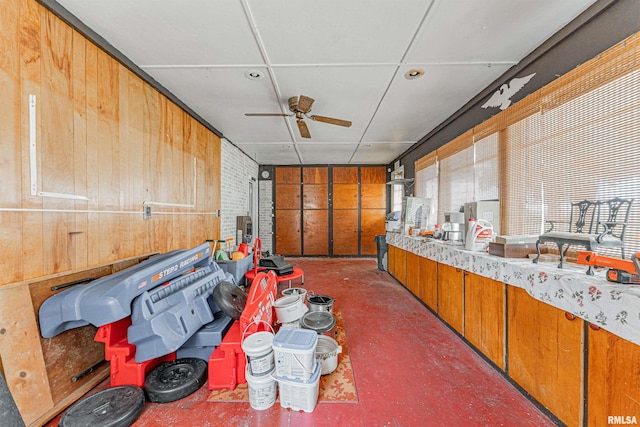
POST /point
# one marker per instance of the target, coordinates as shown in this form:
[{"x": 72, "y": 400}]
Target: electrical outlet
[{"x": 147, "y": 211}]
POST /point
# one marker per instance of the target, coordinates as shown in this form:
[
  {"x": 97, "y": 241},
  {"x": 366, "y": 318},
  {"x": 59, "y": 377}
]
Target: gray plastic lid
[
  {"x": 295, "y": 339},
  {"x": 318, "y": 321}
]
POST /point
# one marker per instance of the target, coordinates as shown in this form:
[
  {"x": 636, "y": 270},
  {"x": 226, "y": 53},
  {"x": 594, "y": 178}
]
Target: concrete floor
[{"x": 410, "y": 368}]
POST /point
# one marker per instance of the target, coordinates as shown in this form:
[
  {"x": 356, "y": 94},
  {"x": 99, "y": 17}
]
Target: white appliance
[{"x": 489, "y": 210}]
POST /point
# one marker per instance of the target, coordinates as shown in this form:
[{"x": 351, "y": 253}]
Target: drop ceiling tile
[
  {"x": 271, "y": 154},
  {"x": 379, "y": 153},
  {"x": 348, "y": 93},
  {"x": 412, "y": 108},
  {"x": 335, "y": 31},
  {"x": 222, "y": 96},
  {"x": 325, "y": 153},
  {"x": 167, "y": 32},
  {"x": 490, "y": 30}
]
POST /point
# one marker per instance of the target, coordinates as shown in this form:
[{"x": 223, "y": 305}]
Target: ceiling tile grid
[{"x": 350, "y": 57}]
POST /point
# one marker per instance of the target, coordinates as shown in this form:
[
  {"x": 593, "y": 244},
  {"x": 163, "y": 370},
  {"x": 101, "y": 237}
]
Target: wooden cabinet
[
  {"x": 429, "y": 282},
  {"x": 413, "y": 273},
  {"x": 613, "y": 379},
  {"x": 288, "y": 211},
  {"x": 315, "y": 210},
  {"x": 400, "y": 262},
  {"x": 484, "y": 316},
  {"x": 345, "y": 232},
  {"x": 345, "y": 225},
  {"x": 545, "y": 354},
  {"x": 373, "y": 204},
  {"x": 391, "y": 260},
  {"x": 451, "y": 296}
]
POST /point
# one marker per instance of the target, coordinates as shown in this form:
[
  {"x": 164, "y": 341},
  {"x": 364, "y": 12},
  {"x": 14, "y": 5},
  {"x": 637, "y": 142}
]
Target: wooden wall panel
[
  {"x": 373, "y": 196},
  {"x": 545, "y": 354},
  {"x": 316, "y": 232},
  {"x": 373, "y": 175},
  {"x": 613, "y": 377},
  {"x": 372, "y": 223},
  {"x": 451, "y": 296},
  {"x": 288, "y": 196},
  {"x": 345, "y": 232},
  {"x": 344, "y": 175},
  {"x": 315, "y": 196},
  {"x": 315, "y": 175},
  {"x": 429, "y": 282},
  {"x": 288, "y": 232},
  {"x": 287, "y": 176},
  {"x": 484, "y": 314},
  {"x": 345, "y": 196}
]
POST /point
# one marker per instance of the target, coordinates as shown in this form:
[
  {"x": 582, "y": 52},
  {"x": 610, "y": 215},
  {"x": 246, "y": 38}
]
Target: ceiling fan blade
[
  {"x": 304, "y": 103},
  {"x": 267, "y": 115},
  {"x": 331, "y": 121},
  {"x": 304, "y": 130}
]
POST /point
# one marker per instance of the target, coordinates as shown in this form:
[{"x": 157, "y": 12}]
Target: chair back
[{"x": 584, "y": 215}]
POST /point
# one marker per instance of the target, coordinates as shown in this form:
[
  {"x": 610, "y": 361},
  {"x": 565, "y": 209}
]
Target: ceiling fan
[{"x": 300, "y": 106}]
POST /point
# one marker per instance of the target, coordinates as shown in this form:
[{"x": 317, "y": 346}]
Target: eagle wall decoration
[{"x": 501, "y": 97}]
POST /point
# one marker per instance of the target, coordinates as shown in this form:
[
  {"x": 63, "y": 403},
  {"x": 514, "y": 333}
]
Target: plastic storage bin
[
  {"x": 294, "y": 352},
  {"x": 237, "y": 268},
  {"x": 300, "y": 395}
]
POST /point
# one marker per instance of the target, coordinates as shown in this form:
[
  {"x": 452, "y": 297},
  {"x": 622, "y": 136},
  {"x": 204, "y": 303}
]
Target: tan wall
[{"x": 101, "y": 133}]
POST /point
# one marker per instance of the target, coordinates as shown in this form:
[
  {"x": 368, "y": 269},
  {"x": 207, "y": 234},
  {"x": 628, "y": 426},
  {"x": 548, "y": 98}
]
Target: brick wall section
[
  {"x": 266, "y": 215},
  {"x": 237, "y": 171}
]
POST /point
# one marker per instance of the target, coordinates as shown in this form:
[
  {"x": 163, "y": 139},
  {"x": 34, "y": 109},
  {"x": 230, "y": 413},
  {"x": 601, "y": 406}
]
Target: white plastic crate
[{"x": 300, "y": 395}]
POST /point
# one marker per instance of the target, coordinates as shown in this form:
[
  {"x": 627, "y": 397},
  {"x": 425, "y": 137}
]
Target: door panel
[
  {"x": 373, "y": 175},
  {"x": 315, "y": 175},
  {"x": 345, "y": 196},
  {"x": 288, "y": 232},
  {"x": 315, "y": 196},
  {"x": 373, "y": 196},
  {"x": 371, "y": 223},
  {"x": 345, "y": 175},
  {"x": 316, "y": 232},
  {"x": 287, "y": 175},
  {"x": 345, "y": 232},
  {"x": 288, "y": 196}
]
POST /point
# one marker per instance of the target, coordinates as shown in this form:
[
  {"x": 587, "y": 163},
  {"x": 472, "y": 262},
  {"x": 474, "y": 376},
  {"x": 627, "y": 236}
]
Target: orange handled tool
[{"x": 620, "y": 270}]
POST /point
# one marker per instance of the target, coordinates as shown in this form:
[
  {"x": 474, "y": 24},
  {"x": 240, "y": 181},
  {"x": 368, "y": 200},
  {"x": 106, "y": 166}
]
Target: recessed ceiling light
[
  {"x": 414, "y": 73},
  {"x": 253, "y": 75}
]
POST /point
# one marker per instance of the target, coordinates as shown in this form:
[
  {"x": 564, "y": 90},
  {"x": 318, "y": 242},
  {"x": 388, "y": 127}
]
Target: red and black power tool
[{"x": 619, "y": 270}]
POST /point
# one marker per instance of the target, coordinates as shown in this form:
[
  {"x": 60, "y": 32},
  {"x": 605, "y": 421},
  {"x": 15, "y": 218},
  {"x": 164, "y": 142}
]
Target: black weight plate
[
  {"x": 230, "y": 298},
  {"x": 171, "y": 381},
  {"x": 114, "y": 407}
]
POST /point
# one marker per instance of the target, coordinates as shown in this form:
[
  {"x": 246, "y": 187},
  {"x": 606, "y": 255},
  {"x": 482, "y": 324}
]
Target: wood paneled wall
[{"x": 101, "y": 133}]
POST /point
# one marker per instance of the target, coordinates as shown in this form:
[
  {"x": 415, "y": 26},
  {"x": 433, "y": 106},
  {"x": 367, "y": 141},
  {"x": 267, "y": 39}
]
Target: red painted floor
[{"x": 410, "y": 369}]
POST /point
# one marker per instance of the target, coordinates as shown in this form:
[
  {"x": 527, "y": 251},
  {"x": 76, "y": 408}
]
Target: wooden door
[
  {"x": 545, "y": 354},
  {"x": 373, "y": 205},
  {"x": 401, "y": 265},
  {"x": 429, "y": 282},
  {"x": 613, "y": 377},
  {"x": 345, "y": 224},
  {"x": 315, "y": 210},
  {"x": 451, "y": 296},
  {"x": 288, "y": 211},
  {"x": 484, "y": 316}
]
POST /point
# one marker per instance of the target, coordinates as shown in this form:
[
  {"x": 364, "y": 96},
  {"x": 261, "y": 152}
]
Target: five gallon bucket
[
  {"x": 259, "y": 350},
  {"x": 262, "y": 390},
  {"x": 320, "y": 303}
]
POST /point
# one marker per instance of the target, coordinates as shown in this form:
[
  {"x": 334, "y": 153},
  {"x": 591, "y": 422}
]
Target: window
[{"x": 397, "y": 190}]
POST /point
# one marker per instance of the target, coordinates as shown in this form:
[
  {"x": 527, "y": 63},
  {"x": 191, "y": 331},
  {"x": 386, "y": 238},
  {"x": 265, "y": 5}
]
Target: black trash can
[{"x": 381, "y": 244}]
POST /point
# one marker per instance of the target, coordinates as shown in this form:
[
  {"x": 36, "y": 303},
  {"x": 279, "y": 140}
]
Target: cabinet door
[
  {"x": 484, "y": 316},
  {"x": 451, "y": 296},
  {"x": 613, "y": 378},
  {"x": 316, "y": 235},
  {"x": 288, "y": 196},
  {"x": 288, "y": 232},
  {"x": 413, "y": 273},
  {"x": 401, "y": 265},
  {"x": 391, "y": 260},
  {"x": 429, "y": 282},
  {"x": 345, "y": 232},
  {"x": 371, "y": 223},
  {"x": 545, "y": 354}
]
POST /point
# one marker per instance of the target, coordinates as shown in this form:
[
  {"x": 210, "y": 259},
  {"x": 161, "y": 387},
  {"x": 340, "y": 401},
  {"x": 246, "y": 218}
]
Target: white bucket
[
  {"x": 327, "y": 350},
  {"x": 259, "y": 351},
  {"x": 262, "y": 391},
  {"x": 290, "y": 308},
  {"x": 294, "y": 351}
]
